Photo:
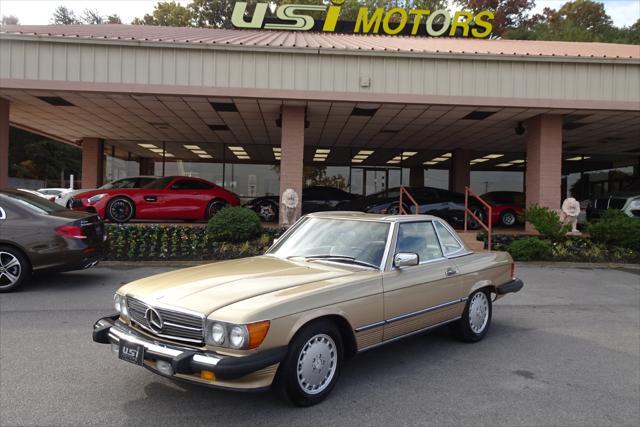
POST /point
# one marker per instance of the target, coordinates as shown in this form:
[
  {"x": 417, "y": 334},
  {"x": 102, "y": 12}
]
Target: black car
[
  {"x": 447, "y": 205},
  {"x": 314, "y": 199},
  {"x": 627, "y": 200},
  {"x": 37, "y": 235}
]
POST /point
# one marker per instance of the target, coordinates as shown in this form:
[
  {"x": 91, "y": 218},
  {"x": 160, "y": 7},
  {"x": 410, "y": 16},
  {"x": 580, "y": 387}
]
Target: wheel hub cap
[
  {"x": 478, "y": 312},
  {"x": 317, "y": 364}
]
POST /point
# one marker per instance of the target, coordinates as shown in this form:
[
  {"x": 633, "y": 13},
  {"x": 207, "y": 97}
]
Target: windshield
[
  {"x": 159, "y": 184},
  {"x": 340, "y": 240},
  {"x": 35, "y": 203}
]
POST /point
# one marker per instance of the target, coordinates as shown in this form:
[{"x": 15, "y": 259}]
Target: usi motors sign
[{"x": 396, "y": 21}]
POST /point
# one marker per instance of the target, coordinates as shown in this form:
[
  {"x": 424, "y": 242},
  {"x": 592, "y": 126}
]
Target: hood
[{"x": 208, "y": 288}]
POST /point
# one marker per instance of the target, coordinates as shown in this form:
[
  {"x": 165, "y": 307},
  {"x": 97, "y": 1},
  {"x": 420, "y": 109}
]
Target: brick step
[{"x": 470, "y": 240}]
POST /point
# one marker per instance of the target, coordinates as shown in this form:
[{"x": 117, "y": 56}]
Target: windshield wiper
[{"x": 340, "y": 258}]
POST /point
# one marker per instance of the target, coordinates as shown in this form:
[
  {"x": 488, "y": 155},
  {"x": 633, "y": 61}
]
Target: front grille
[
  {"x": 609, "y": 203},
  {"x": 617, "y": 203},
  {"x": 176, "y": 325}
]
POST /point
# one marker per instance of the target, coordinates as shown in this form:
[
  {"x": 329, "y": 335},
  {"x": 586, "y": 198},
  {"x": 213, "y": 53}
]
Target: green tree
[
  {"x": 168, "y": 14},
  {"x": 114, "y": 19},
  {"x": 92, "y": 17},
  {"x": 508, "y": 14},
  {"x": 9, "y": 20},
  {"x": 64, "y": 16}
]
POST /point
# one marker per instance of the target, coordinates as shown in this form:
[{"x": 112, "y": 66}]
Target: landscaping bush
[
  {"x": 234, "y": 224},
  {"x": 616, "y": 229},
  {"x": 531, "y": 249},
  {"x": 547, "y": 222},
  {"x": 182, "y": 242}
]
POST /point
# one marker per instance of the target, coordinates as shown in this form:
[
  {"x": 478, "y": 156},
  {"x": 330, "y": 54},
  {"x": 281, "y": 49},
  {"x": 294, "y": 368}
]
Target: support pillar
[
  {"x": 544, "y": 162},
  {"x": 4, "y": 143},
  {"x": 292, "y": 158},
  {"x": 459, "y": 175},
  {"x": 147, "y": 166},
  {"x": 416, "y": 176},
  {"x": 92, "y": 162}
]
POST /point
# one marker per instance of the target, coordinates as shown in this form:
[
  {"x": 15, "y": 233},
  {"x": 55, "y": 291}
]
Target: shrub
[
  {"x": 531, "y": 249},
  {"x": 547, "y": 222},
  {"x": 234, "y": 224},
  {"x": 616, "y": 229}
]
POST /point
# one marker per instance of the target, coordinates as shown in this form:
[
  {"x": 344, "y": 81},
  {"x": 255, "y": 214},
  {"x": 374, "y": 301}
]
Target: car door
[
  {"x": 184, "y": 199},
  {"x": 422, "y": 295}
]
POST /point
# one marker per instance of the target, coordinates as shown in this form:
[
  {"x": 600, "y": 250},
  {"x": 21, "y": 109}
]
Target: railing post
[{"x": 466, "y": 206}]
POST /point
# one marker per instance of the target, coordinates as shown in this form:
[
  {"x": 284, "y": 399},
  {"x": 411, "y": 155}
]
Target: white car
[
  {"x": 52, "y": 193},
  {"x": 130, "y": 182}
]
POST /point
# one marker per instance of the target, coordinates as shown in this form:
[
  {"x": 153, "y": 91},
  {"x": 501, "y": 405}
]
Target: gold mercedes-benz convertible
[{"x": 333, "y": 285}]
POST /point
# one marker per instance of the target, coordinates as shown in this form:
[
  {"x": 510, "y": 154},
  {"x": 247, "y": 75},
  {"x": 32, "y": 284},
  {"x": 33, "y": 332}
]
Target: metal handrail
[
  {"x": 467, "y": 192},
  {"x": 404, "y": 191}
]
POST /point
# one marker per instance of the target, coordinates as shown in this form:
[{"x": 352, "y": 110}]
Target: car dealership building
[{"x": 250, "y": 108}]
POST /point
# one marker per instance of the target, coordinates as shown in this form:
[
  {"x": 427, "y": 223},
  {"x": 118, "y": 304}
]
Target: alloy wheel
[
  {"x": 267, "y": 212},
  {"x": 120, "y": 210},
  {"x": 478, "y": 312},
  {"x": 317, "y": 364},
  {"x": 508, "y": 219},
  {"x": 10, "y": 269}
]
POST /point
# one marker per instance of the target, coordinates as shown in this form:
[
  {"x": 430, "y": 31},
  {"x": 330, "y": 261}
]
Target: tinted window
[
  {"x": 449, "y": 243},
  {"x": 190, "y": 184},
  {"x": 159, "y": 183},
  {"x": 419, "y": 238},
  {"x": 34, "y": 203},
  {"x": 425, "y": 194}
]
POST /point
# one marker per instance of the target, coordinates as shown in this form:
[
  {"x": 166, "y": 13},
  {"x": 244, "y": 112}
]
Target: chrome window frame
[
  {"x": 443, "y": 257},
  {"x": 455, "y": 254},
  {"x": 3, "y": 214}
]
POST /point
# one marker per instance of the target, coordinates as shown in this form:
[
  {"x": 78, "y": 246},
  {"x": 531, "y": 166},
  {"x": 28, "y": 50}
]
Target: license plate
[{"x": 132, "y": 353}]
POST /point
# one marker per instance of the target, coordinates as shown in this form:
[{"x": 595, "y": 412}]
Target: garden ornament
[
  {"x": 570, "y": 212},
  {"x": 289, "y": 204}
]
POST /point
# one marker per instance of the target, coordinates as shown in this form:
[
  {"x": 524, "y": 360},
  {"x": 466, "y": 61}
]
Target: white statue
[
  {"x": 289, "y": 204},
  {"x": 570, "y": 212}
]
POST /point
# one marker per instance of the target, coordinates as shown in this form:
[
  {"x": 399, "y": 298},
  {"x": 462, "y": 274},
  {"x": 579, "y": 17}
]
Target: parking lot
[{"x": 565, "y": 350}]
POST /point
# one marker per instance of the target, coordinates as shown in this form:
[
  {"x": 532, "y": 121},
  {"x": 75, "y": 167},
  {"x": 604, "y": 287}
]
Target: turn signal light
[
  {"x": 207, "y": 375},
  {"x": 257, "y": 333},
  {"x": 71, "y": 231}
]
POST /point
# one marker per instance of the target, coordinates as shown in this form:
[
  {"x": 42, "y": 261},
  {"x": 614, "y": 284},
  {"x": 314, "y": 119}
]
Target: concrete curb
[
  {"x": 550, "y": 264},
  {"x": 587, "y": 265}
]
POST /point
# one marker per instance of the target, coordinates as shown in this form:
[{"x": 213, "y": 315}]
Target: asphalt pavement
[{"x": 563, "y": 351}]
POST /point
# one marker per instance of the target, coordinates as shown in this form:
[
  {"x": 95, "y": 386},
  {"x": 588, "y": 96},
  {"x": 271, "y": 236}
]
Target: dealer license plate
[{"x": 132, "y": 353}]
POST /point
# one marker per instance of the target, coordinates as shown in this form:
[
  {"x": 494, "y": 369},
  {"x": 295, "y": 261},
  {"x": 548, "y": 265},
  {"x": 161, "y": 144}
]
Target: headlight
[
  {"x": 231, "y": 335},
  {"x": 96, "y": 198},
  {"x": 117, "y": 302},
  {"x": 238, "y": 336},
  {"x": 218, "y": 333}
]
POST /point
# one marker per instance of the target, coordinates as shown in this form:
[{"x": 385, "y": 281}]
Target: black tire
[
  {"x": 214, "y": 207},
  {"x": 508, "y": 218},
  {"x": 267, "y": 211},
  {"x": 468, "y": 328},
  {"x": 120, "y": 209},
  {"x": 14, "y": 268},
  {"x": 325, "y": 363},
  {"x": 473, "y": 224}
]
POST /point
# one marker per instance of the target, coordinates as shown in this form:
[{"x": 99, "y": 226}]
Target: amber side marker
[{"x": 207, "y": 375}]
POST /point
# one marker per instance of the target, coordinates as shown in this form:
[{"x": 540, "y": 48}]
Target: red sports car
[
  {"x": 507, "y": 207},
  {"x": 171, "y": 197}
]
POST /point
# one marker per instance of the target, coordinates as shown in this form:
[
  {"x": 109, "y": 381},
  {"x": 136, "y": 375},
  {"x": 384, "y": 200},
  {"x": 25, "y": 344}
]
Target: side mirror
[{"x": 405, "y": 259}]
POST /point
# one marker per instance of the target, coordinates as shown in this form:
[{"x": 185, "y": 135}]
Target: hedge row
[{"x": 177, "y": 242}]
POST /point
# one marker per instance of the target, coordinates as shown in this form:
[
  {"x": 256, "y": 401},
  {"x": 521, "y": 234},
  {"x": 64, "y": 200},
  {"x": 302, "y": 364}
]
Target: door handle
[
  {"x": 451, "y": 271},
  {"x": 150, "y": 198}
]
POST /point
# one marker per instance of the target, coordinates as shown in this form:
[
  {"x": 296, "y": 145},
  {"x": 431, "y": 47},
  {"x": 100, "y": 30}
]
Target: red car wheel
[{"x": 120, "y": 210}]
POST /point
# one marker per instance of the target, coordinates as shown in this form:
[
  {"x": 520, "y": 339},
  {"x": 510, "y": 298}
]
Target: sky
[{"x": 39, "y": 12}]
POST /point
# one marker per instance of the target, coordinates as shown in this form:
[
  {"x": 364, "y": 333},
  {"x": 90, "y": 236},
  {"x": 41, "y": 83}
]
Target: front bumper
[
  {"x": 510, "y": 287},
  {"x": 187, "y": 363}
]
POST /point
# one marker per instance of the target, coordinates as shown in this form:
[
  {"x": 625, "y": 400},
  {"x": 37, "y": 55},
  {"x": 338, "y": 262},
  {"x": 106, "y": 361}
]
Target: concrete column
[
  {"x": 544, "y": 161},
  {"x": 416, "y": 176},
  {"x": 460, "y": 174},
  {"x": 147, "y": 166},
  {"x": 92, "y": 162},
  {"x": 4, "y": 143},
  {"x": 291, "y": 163}
]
